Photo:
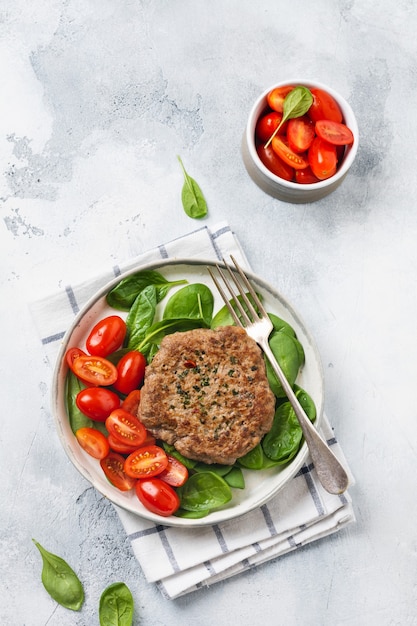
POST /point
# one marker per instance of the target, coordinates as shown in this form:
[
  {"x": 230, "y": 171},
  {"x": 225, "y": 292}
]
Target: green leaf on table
[
  {"x": 192, "y": 197},
  {"x": 60, "y": 580},
  {"x": 116, "y": 606}
]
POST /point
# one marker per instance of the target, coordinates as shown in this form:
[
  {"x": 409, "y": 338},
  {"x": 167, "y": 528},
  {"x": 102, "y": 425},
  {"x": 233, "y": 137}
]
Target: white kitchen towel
[{"x": 179, "y": 560}]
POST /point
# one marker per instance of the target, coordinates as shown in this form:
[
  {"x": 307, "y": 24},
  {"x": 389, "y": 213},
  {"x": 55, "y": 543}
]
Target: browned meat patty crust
[{"x": 206, "y": 392}]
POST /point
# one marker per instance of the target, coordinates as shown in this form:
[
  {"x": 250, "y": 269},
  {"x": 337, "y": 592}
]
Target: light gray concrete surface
[{"x": 97, "y": 99}]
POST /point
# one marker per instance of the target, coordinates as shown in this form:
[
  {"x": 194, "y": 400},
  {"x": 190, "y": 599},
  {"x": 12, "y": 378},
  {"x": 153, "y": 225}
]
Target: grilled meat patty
[{"x": 206, "y": 392}]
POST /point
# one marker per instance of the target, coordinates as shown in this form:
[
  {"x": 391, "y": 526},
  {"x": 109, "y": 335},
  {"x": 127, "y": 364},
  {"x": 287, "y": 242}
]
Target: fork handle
[{"x": 330, "y": 471}]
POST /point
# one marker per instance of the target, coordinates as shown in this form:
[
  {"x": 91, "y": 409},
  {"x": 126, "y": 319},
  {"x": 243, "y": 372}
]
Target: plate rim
[{"x": 218, "y": 515}]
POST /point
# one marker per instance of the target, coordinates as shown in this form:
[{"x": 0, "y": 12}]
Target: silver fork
[{"x": 330, "y": 471}]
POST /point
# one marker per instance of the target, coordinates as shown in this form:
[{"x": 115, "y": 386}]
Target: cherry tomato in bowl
[{"x": 259, "y": 165}]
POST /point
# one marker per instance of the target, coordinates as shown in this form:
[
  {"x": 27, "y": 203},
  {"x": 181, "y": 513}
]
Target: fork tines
[{"x": 250, "y": 308}]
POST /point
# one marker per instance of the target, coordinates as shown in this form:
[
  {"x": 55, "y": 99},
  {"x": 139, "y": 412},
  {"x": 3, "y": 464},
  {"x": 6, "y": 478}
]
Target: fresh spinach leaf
[
  {"x": 235, "y": 478},
  {"x": 116, "y": 606},
  {"x": 287, "y": 354},
  {"x": 192, "y": 197},
  {"x": 281, "y": 325},
  {"x": 282, "y": 442},
  {"x": 253, "y": 459},
  {"x": 158, "y": 330},
  {"x": 223, "y": 317},
  {"x": 60, "y": 580},
  {"x": 191, "y": 514},
  {"x": 170, "y": 449},
  {"x": 296, "y": 103},
  {"x": 141, "y": 316},
  {"x": 204, "y": 491},
  {"x": 123, "y": 295},
  {"x": 194, "y": 301}
]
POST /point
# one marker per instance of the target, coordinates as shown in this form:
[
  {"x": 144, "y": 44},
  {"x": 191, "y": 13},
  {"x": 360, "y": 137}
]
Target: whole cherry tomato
[
  {"x": 157, "y": 496},
  {"x": 306, "y": 176},
  {"x": 324, "y": 107},
  {"x": 97, "y": 403},
  {"x": 322, "y": 157},
  {"x": 106, "y": 336},
  {"x": 130, "y": 372},
  {"x": 267, "y": 125}
]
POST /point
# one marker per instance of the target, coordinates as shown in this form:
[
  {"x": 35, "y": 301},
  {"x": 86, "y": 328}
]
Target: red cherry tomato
[
  {"x": 112, "y": 466},
  {"x": 97, "y": 403},
  {"x": 305, "y": 177},
  {"x": 175, "y": 473},
  {"x": 130, "y": 372},
  {"x": 300, "y": 133},
  {"x": 146, "y": 462},
  {"x": 322, "y": 157},
  {"x": 93, "y": 442},
  {"x": 119, "y": 446},
  {"x": 95, "y": 370},
  {"x": 324, "y": 107},
  {"x": 277, "y": 96},
  {"x": 273, "y": 162},
  {"x": 72, "y": 354},
  {"x": 333, "y": 132},
  {"x": 131, "y": 402},
  {"x": 297, "y": 161},
  {"x": 126, "y": 428},
  {"x": 267, "y": 125},
  {"x": 106, "y": 336},
  {"x": 157, "y": 496}
]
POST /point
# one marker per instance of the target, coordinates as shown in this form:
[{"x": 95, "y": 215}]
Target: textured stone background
[{"x": 97, "y": 99}]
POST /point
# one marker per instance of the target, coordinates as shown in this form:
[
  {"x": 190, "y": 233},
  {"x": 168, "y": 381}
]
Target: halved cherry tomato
[
  {"x": 93, "y": 441},
  {"x": 131, "y": 402},
  {"x": 305, "y": 177},
  {"x": 118, "y": 446},
  {"x": 175, "y": 473},
  {"x": 130, "y": 372},
  {"x": 297, "y": 161},
  {"x": 126, "y": 428},
  {"x": 300, "y": 133},
  {"x": 272, "y": 161},
  {"x": 146, "y": 462},
  {"x": 267, "y": 125},
  {"x": 106, "y": 336},
  {"x": 322, "y": 158},
  {"x": 95, "y": 370},
  {"x": 277, "y": 96},
  {"x": 112, "y": 466},
  {"x": 97, "y": 403},
  {"x": 72, "y": 354},
  {"x": 324, "y": 107},
  {"x": 334, "y": 132},
  {"x": 157, "y": 496}
]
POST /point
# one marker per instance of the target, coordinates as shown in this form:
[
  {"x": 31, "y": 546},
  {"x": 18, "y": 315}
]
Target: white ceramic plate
[{"x": 260, "y": 485}]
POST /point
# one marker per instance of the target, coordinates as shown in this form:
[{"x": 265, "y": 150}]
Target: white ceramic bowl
[
  {"x": 260, "y": 485},
  {"x": 289, "y": 191}
]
